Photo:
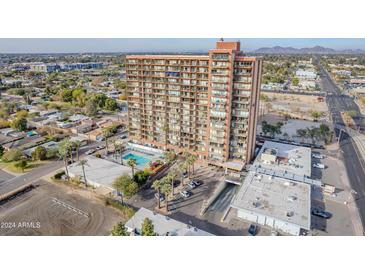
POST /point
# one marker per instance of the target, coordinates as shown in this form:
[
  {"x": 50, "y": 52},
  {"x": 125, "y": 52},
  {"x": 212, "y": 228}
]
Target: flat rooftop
[
  {"x": 163, "y": 225},
  {"x": 275, "y": 197},
  {"x": 99, "y": 171},
  {"x": 290, "y": 159}
]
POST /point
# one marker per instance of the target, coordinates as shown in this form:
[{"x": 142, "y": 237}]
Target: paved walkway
[{"x": 346, "y": 196}]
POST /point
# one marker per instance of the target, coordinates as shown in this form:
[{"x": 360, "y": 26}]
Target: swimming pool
[{"x": 140, "y": 160}]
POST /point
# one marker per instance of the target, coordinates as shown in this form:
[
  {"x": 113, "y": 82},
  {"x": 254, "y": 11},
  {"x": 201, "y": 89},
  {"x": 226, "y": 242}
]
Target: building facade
[{"x": 205, "y": 104}]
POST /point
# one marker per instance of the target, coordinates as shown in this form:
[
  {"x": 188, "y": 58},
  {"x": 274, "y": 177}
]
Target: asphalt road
[
  {"x": 35, "y": 174},
  {"x": 338, "y": 102}
]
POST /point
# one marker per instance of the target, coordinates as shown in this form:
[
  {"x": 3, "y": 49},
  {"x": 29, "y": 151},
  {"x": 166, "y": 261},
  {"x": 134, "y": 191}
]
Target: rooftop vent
[
  {"x": 292, "y": 198},
  {"x": 290, "y": 214}
]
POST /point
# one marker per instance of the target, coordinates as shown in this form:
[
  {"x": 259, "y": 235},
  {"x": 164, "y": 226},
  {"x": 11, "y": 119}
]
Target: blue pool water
[{"x": 141, "y": 161}]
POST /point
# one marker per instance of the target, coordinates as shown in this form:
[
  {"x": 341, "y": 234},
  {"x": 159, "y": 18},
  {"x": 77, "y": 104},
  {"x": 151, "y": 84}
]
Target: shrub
[
  {"x": 40, "y": 153},
  {"x": 59, "y": 175},
  {"x": 12, "y": 155},
  {"x": 126, "y": 211},
  {"x": 141, "y": 177}
]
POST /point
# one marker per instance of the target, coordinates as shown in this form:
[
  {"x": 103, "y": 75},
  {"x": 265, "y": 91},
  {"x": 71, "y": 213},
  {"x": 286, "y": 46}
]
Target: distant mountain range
[{"x": 313, "y": 50}]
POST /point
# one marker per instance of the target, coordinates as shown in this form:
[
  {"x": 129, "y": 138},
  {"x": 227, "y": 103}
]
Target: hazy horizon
[{"x": 110, "y": 45}]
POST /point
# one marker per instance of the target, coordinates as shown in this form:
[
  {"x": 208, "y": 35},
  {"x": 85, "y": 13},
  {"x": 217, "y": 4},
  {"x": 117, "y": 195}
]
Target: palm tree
[
  {"x": 82, "y": 163},
  {"x": 170, "y": 156},
  {"x": 166, "y": 189},
  {"x": 192, "y": 159},
  {"x": 132, "y": 164},
  {"x": 172, "y": 176},
  {"x": 107, "y": 133},
  {"x": 157, "y": 184},
  {"x": 77, "y": 145},
  {"x": 63, "y": 150},
  {"x": 183, "y": 168}
]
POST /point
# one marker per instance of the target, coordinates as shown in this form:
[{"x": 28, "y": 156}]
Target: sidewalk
[{"x": 351, "y": 204}]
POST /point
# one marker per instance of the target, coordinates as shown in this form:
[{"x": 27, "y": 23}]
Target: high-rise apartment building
[{"x": 207, "y": 104}]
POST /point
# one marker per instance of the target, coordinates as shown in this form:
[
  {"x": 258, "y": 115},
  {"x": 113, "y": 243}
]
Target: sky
[{"x": 76, "y": 45}]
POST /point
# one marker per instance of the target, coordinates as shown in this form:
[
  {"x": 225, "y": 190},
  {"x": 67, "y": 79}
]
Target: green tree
[
  {"x": 302, "y": 133},
  {"x": 166, "y": 189},
  {"x": 295, "y": 81},
  {"x": 108, "y": 132},
  {"x": 22, "y": 164},
  {"x": 40, "y": 153},
  {"x": 66, "y": 95},
  {"x": 79, "y": 96},
  {"x": 157, "y": 184},
  {"x": 110, "y": 104},
  {"x": 91, "y": 108},
  {"x": 19, "y": 124},
  {"x": 170, "y": 156},
  {"x": 132, "y": 164},
  {"x": 77, "y": 144},
  {"x": 119, "y": 230},
  {"x": 148, "y": 228},
  {"x": 125, "y": 185},
  {"x": 64, "y": 149},
  {"x": 83, "y": 163},
  {"x": 12, "y": 155},
  {"x": 140, "y": 177}
]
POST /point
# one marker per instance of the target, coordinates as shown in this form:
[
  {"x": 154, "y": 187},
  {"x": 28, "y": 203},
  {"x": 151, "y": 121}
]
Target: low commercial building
[
  {"x": 98, "y": 172},
  {"x": 277, "y": 189},
  {"x": 163, "y": 225},
  {"x": 275, "y": 202},
  {"x": 48, "y": 145}
]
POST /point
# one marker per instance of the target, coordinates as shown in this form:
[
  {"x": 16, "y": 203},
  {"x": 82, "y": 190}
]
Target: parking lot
[
  {"x": 51, "y": 209},
  {"x": 334, "y": 173}
]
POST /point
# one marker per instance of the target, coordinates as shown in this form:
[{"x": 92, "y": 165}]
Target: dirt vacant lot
[{"x": 51, "y": 209}]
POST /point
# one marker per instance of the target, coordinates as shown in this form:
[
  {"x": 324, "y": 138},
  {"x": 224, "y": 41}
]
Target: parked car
[
  {"x": 317, "y": 156},
  {"x": 197, "y": 182},
  {"x": 191, "y": 184},
  {"x": 252, "y": 230},
  {"x": 318, "y": 165},
  {"x": 185, "y": 174},
  {"x": 274, "y": 233},
  {"x": 90, "y": 151},
  {"x": 162, "y": 197},
  {"x": 100, "y": 147},
  {"x": 185, "y": 193},
  {"x": 321, "y": 213}
]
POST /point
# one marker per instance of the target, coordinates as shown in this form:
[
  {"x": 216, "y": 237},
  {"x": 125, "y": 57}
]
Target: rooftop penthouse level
[{"x": 206, "y": 104}]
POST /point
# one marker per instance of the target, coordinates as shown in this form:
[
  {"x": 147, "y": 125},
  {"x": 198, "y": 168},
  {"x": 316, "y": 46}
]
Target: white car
[
  {"x": 90, "y": 151},
  {"x": 320, "y": 166},
  {"x": 317, "y": 156},
  {"x": 185, "y": 193}
]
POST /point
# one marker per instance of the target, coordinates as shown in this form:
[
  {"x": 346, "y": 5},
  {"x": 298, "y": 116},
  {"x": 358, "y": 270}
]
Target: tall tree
[
  {"x": 148, "y": 229},
  {"x": 77, "y": 145},
  {"x": 157, "y": 184},
  {"x": 119, "y": 230},
  {"x": 132, "y": 164},
  {"x": 22, "y": 164},
  {"x": 83, "y": 163},
  {"x": 64, "y": 151},
  {"x": 166, "y": 189}
]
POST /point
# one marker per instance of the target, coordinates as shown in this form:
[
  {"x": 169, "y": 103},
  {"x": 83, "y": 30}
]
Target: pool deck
[{"x": 147, "y": 156}]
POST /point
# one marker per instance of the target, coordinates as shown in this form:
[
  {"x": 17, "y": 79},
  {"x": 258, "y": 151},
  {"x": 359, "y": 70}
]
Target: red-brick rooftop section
[{"x": 228, "y": 45}]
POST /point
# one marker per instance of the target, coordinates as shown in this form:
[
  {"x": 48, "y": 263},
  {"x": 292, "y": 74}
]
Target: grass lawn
[{"x": 10, "y": 167}]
